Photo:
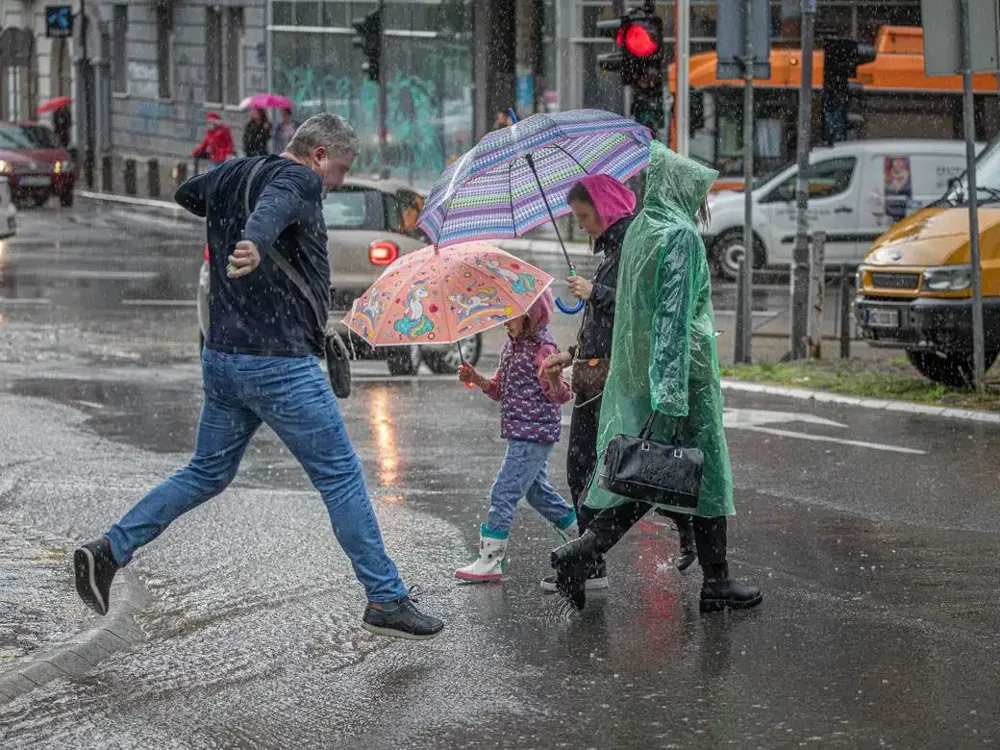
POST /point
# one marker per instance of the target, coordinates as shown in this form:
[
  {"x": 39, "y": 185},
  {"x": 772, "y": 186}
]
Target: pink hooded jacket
[
  {"x": 529, "y": 405},
  {"x": 612, "y": 200}
]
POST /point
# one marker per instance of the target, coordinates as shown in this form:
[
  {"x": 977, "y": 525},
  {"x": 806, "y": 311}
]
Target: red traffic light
[{"x": 639, "y": 41}]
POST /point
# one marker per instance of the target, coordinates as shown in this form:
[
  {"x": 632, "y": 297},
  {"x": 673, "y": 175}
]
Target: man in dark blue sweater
[{"x": 260, "y": 365}]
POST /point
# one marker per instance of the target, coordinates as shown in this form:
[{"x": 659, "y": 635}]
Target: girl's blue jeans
[{"x": 525, "y": 473}]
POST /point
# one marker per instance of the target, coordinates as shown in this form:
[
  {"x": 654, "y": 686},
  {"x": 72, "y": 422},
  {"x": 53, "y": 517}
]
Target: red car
[{"x": 39, "y": 168}]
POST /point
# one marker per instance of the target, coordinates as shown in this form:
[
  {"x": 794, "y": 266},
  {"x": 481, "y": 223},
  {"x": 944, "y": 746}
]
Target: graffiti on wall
[{"x": 424, "y": 130}]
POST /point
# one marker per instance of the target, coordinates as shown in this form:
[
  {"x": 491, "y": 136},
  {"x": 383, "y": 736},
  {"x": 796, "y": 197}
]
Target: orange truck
[{"x": 899, "y": 101}]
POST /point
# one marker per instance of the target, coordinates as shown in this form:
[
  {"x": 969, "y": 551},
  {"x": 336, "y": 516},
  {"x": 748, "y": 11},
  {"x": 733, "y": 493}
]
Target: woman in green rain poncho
[{"x": 663, "y": 359}]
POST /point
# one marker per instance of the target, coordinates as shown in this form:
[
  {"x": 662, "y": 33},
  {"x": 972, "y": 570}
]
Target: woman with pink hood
[
  {"x": 605, "y": 209},
  {"x": 530, "y": 422}
]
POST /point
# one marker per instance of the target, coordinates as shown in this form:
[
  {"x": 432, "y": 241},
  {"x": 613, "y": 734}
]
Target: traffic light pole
[
  {"x": 800, "y": 259},
  {"x": 968, "y": 117},
  {"x": 383, "y": 105},
  {"x": 744, "y": 293}
]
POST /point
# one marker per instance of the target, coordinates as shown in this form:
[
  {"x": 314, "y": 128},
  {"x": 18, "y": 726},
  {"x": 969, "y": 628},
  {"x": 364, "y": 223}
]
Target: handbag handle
[{"x": 647, "y": 428}]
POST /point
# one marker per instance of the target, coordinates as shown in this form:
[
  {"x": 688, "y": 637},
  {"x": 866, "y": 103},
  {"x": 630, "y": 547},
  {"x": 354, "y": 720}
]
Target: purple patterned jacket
[{"x": 529, "y": 406}]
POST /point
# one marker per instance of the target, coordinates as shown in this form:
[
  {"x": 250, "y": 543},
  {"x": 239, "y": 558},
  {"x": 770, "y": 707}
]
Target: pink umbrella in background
[
  {"x": 53, "y": 104},
  {"x": 436, "y": 296},
  {"x": 267, "y": 101}
]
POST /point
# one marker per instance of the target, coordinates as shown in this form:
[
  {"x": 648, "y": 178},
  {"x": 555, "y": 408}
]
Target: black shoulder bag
[
  {"x": 643, "y": 469},
  {"x": 338, "y": 365}
]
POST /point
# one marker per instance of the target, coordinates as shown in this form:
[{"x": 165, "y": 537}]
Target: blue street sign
[{"x": 58, "y": 21}]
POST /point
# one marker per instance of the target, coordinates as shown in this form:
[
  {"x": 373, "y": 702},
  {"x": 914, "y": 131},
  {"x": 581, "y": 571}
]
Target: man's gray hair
[{"x": 330, "y": 131}]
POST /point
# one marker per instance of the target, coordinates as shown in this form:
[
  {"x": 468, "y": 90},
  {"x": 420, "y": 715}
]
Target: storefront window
[{"x": 428, "y": 79}]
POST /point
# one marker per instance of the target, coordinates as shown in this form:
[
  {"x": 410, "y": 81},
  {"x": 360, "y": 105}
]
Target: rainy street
[{"x": 872, "y": 534}]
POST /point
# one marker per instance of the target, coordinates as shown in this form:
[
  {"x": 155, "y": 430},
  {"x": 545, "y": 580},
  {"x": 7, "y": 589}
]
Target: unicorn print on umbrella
[
  {"x": 415, "y": 323},
  {"x": 520, "y": 283}
]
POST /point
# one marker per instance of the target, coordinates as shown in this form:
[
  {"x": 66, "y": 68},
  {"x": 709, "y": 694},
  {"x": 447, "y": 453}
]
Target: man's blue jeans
[
  {"x": 293, "y": 397},
  {"x": 525, "y": 473}
]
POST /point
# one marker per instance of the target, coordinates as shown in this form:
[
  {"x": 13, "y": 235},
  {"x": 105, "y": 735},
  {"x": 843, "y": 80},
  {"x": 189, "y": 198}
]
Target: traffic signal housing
[
  {"x": 842, "y": 99},
  {"x": 368, "y": 38},
  {"x": 639, "y": 58}
]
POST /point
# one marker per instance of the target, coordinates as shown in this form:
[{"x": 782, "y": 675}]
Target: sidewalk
[
  {"x": 39, "y": 604},
  {"x": 46, "y": 632}
]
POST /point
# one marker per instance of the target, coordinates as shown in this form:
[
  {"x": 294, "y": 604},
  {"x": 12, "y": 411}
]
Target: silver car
[{"x": 370, "y": 223}]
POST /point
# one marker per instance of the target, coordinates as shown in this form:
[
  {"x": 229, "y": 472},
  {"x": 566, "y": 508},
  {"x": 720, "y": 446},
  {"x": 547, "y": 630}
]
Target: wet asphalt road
[{"x": 873, "y": 535}]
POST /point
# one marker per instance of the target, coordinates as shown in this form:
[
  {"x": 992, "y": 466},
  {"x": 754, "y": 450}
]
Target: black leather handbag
[
  {"x": 644, "y": 469},
  {"x": 338, "y": 361}
]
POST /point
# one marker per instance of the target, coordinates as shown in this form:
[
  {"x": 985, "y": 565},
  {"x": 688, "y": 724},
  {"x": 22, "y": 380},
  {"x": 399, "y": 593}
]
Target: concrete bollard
[
  {"x": 153, "y": 178},
  {"x": 130, "y": 177},
  {"x": 179, "y": 174},
  {"x": 107, "y": 174}
]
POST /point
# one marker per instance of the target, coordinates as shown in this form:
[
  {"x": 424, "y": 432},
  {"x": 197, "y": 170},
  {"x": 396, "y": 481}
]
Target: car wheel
[
  {"x": 66, "y": 199},
  {"x": 447, "y": 361},
  {"x": 404, "y": 360},
  {"x": 727, "y": 251},
  {"x": 952, "y": 370}
]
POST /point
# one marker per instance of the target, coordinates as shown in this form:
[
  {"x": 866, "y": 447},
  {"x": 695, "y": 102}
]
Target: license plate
[
  {"x": 877, "y": 318},
  {"x": 35, "y": 181}
]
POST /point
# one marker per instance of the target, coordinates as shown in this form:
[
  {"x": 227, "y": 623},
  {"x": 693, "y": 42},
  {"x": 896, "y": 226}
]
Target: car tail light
[
  {"x": 383, "y": 252},
  {"x": 206, "y": 253}
]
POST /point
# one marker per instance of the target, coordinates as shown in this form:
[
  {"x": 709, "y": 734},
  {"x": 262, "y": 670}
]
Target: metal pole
[
  {"x": 845, "y": 314},
  {"x": 744, "y": 323},
  {"x": 383, "y": 106},
  {"x": 968, "y": 115},
  {"x": 86, "y": 87},
  {"x": 817, "y": 285},
  {"x": 682, "y": 116},
  {"x": 799, "y": 277}
]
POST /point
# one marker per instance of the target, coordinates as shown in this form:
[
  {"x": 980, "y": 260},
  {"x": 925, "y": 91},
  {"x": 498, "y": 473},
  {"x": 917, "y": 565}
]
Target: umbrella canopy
[
  {"x": 440, "y": 297},
  {"x": 496, "y": 189},
  {"x": 52, "y": 105},
  {"x": 267, "y": 101}
]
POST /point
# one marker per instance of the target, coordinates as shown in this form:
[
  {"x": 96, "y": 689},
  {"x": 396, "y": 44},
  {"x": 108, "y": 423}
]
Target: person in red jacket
[{"x": 217, "y": 144}]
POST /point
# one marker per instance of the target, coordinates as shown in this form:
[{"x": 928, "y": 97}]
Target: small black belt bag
[
  {"x": 338, "y": 364},
  {"x": 643, "y": 469}
]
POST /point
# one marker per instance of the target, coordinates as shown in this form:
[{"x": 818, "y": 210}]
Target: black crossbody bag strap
[{"x": 280, "y": 261}]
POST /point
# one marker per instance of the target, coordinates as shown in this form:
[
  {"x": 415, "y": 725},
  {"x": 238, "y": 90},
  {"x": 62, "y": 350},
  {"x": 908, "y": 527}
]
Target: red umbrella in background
[
  {"x": 267, "y": 101},
  {"x": 53, "y": 104}
]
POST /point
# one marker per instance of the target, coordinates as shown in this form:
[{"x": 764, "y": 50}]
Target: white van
[{"x": 858, "y": 189}]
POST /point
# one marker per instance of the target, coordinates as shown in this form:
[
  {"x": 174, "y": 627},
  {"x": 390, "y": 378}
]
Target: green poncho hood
[{"x": 663, "y": 355}]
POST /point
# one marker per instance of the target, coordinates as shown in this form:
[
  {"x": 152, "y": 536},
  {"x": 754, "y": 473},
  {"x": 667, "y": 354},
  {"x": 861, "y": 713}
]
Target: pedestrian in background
[
  {"x": 217, "y": 145},
  {"x": 257, "y": 133},
  {"x": 284, "y": 131},
  {"x": 530, "y": 422},
  {"x": 261, "y": 365},
  {"x": 62, "y": 125},
  {"x": 664, "y": 366}
]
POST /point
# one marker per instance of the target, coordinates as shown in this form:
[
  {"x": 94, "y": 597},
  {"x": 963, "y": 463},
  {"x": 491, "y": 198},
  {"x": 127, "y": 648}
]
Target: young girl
[{"x": 530, "y": 421}]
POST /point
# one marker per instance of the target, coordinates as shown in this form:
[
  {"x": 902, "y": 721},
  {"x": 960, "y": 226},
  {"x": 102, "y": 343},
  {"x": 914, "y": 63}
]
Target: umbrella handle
[
  {"x": 461, "y": 356},
  {"x": 570, "y": 309}
]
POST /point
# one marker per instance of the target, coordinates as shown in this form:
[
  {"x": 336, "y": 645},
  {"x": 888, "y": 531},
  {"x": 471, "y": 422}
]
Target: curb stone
[
  {"x": 825, "y": 397},
  {"x": 115, "y": 632}
]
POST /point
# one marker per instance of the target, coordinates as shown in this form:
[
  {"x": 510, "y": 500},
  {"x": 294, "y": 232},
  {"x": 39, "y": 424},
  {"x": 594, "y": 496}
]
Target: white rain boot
[{"x": 490, "y": 563}]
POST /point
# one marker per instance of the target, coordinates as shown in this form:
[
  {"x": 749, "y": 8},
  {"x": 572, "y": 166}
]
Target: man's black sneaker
[
  {"x": 400, "y": 619},
  {"x": 95, "y": 570}
]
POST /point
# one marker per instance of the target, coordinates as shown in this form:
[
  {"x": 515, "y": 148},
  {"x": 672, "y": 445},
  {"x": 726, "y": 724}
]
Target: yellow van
[{"x": 915, "y": 285}]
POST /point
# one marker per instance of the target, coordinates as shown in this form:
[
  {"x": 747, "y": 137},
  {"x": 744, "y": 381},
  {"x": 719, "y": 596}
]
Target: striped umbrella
[
  {"x": 517, "y": 178},
  {"x": 492, "y": 191}
]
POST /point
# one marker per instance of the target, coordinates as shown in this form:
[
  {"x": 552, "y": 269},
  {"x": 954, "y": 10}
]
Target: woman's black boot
[
  {"x": 685, "y": 530},
  {"x": 573, "y": 563},
  {"x": 718, "y": 590},
  {"x": 575, "y": 560}
]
